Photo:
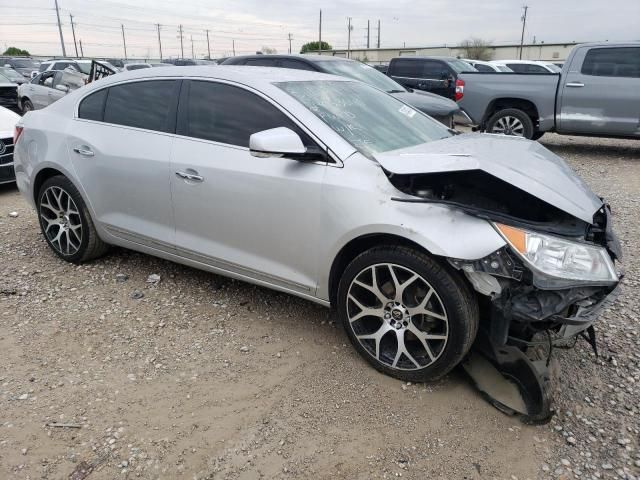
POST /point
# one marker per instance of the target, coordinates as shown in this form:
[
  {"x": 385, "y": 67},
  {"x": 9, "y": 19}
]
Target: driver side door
[{"x": 252, "y": 218}]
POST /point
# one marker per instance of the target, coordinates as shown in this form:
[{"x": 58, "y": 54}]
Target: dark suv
[
  {"x": 437, "y": 107},
  {"x": 431, "y": 74}
]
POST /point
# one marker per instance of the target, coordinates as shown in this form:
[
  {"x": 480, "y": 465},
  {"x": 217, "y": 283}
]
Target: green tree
[
  {"x": 16, "y": 52},
  {"x": 313, "y": 47},
  {"x": 476, "y": 49}
]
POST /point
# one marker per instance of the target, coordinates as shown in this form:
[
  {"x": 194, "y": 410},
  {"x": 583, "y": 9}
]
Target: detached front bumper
[{"x": 586, "y": 313}]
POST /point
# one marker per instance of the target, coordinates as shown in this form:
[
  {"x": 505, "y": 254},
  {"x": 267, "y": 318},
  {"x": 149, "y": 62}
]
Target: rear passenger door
[
  {"x": 120, "y": 145},
  {"x": 600, "y": 92},
  {"x": 255, "y": 218}
]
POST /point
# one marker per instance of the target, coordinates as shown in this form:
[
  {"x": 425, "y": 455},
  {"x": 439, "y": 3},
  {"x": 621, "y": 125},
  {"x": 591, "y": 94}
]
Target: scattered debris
[
  {"x": 64, "y": 425},
  {"x": 154, "y": 278},
  {"x": 137, "y": 294},
  {"x": 13, "y": 214},
  {"x": 121, "y": 277}
]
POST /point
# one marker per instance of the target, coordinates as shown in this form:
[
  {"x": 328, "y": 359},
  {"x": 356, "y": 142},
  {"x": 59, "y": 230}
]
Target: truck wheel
[
  {"x": 511, "y": 121},
  {"x": 407, "y": 315},
  {"x": 537, "y": 135}
]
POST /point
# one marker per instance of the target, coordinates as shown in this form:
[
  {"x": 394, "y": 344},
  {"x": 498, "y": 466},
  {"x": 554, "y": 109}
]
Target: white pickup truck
[{"x": 597, "y": 94}]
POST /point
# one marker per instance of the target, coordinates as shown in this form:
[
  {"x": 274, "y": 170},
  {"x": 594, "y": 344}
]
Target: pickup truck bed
[{"x": 597, "y": 94}]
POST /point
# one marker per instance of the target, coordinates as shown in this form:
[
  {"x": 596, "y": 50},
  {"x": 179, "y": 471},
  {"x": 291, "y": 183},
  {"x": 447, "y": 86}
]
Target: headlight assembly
[{"x": 561, "y": 258}]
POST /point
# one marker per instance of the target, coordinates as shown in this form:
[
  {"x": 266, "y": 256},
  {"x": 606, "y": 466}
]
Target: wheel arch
[{"x": 360, "y": 244}]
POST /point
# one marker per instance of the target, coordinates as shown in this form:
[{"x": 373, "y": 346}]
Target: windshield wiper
[{"x": 396, "y": 91}]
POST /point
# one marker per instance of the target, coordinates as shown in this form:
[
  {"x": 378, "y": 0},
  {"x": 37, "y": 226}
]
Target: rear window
[
  {"x": 141, "y": 104},
  {"x": 461, "y": 66},
  {"x": 612, "y": 62},
  {"x": 484, "y": 68},
  {"x": 92, "y": 107}
]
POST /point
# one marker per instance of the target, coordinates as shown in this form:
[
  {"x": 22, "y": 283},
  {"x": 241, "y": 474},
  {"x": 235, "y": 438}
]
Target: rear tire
[
  {"x": 66, "y": 223},
  {"x": 511, "y": 121},
  {"x": 27, "y": 106},
  {"x": 406, "y": 314}
]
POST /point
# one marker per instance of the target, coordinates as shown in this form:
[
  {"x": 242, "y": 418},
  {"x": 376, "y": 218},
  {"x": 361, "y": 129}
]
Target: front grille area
[
  {"x": 6, "y": 151},
  {"x": 7, "y": 173},
  {"x": 8, "y": 95}
]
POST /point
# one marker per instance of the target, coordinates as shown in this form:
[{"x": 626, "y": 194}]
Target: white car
[
  {"x": 8, "y": 120},
  {"x": 490, "y": 67},
  {"x": 529, "y": 66},
  {"x": 47, "y": 87}
]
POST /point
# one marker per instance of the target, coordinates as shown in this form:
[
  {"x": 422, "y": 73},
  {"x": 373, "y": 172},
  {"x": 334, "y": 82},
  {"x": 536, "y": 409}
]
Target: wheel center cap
[{"x": 397, "y": 314}]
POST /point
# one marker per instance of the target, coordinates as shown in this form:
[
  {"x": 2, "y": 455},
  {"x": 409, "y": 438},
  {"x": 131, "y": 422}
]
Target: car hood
[
  {"x": 429, "y": 103},
  {"x": 522, "y": 163}
]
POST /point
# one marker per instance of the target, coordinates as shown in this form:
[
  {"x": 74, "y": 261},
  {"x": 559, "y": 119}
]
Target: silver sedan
[{"x": 332, "y": 190}]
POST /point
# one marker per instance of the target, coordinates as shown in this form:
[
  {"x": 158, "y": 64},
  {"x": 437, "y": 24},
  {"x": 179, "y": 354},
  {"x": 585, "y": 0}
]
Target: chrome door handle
[
  {"x": 194, "y": 177},
  {"x": 575, "y": 84},
  {"x": 84, "y": 151}
]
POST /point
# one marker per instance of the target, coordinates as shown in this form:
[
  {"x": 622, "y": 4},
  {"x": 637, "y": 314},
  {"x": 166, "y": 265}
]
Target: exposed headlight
[{"x": 561, "y": 258}]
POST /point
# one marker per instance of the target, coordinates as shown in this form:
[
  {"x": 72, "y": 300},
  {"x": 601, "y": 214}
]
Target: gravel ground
[{"x": 106, "y": 375}]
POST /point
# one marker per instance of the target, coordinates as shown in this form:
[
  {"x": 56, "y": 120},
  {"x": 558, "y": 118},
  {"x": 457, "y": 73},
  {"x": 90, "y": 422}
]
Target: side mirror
[
  {"x": 276, "y": 142},
  {"x": 62, "y": 88}
]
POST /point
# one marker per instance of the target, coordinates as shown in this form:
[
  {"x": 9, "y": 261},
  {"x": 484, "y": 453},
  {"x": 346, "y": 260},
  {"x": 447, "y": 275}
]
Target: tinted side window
[
  {"x": 227, "y": 114},
  {"x": 536, "y": 69},
  {"x": 612, "y": 62},
  {"x": 518, "y": 67},
  {"x": 261, "y": 62},
  {"x": 141, "y": 104},
  {"x": 435, "y": 70},
  {"x": 407, "y": 68},
  {"x": 483, "y": 68},
  {"x": 92, "y": 107},
  {"x": 296, "y": 64}
]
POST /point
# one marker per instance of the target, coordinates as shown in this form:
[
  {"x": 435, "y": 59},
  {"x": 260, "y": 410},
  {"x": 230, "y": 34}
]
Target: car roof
[
  {"x": 257, "y": 77},
  {"x": 305, "y": 57},
  {"x": 530, "y": 62},
  {"x": 427, "y": 57}
]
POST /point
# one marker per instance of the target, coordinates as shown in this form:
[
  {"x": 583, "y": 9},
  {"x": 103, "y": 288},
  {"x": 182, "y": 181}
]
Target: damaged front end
[{"x": 546, "y": 286}]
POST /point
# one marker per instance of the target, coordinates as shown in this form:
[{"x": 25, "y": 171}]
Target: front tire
[
  {"x": 65, "y": 222},
  {"x": 407, "y": 315},
  {"x": 511, "y": 121}
]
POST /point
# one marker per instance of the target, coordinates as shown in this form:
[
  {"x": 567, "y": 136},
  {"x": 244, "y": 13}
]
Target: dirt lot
[{"x": 204, "y": 377}]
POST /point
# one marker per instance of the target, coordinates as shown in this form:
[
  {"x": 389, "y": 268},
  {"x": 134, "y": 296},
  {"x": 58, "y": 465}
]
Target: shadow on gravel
[
  {"x": 630, "y": 150},
  {"x": 8, "y": 188}
]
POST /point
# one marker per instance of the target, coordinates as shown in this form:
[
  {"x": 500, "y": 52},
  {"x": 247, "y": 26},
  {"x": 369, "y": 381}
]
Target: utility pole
[
  {"x": 368, "y": 33},
  {"x": 124, "y": 41},
  {"x": 320, "y": 34},
  {"x": 349, "y": 37},
  {"x": 193, "y": 55},
  {"x": 159, "y": 41},
  {"x": 233, "y": 42},
  {"x": 290, "y": 38},
  {"x": 208, "y": 46},
  {"x": 64, "y": 52},
  {"x": 378, "y": 33},
  {"x": 524, "y": 24},
  {"x": 81, "y": 52},
  {"x": 181, "y": 45},
  {"x": 73, "y": 30}
]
